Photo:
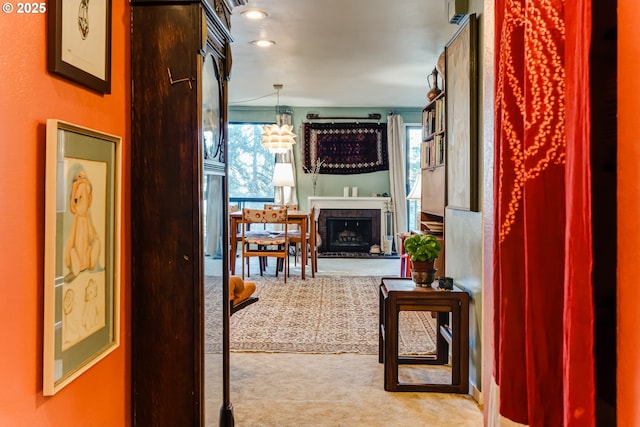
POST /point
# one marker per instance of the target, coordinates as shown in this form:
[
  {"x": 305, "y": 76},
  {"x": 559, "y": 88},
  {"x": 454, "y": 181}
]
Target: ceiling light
[
  {"x": 262, "y": 43},
  {"x": 278, "y": 138},
  {"x": 254, "y": 14}
]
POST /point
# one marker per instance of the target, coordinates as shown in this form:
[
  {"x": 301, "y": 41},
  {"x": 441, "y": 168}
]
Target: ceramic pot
[{"x": 423, "y": 273}]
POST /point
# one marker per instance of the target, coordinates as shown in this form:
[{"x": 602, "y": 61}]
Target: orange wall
[
  {"x": 30, "y": 95},
  {"x": 628, "y": 295}
]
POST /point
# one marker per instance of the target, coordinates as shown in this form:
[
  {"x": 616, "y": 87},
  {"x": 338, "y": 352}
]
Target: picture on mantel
[{"x": 345, "y": 148}]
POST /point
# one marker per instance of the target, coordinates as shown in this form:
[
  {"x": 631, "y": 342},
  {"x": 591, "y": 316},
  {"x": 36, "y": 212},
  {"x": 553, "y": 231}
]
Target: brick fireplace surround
[{"x": 372, "y": 214}]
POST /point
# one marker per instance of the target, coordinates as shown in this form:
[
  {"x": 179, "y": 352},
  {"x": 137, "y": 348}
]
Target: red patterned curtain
[{"x": 544, "y": 361}]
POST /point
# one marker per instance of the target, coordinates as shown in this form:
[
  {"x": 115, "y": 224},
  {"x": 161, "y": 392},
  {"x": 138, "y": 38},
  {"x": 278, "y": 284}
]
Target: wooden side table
[{"x": 400, "y": 294}]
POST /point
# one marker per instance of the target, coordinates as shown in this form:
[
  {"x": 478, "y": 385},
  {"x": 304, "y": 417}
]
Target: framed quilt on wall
[{"x": 345, "y": 148}]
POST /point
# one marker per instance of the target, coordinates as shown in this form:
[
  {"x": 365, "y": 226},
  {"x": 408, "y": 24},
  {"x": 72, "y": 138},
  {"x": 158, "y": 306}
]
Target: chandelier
[{"x": 278, "y": 138}]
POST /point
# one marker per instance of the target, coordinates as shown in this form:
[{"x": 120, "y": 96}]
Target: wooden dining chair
[
  {"x": 315, "y": 240},
  {"x": 292, "y": 227},
  {"x": 310, "y": 239},
  {"x": 270, "y": 242},
  {"x": 277, "y": 206},
  {"x": 248, "y": 232}
]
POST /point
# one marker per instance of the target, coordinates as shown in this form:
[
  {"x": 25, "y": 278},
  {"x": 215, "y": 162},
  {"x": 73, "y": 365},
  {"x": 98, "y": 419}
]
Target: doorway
[{"x": 604, "y": 204}]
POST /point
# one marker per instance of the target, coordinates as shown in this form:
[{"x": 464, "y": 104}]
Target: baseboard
[{"x": 477, "y": 395}]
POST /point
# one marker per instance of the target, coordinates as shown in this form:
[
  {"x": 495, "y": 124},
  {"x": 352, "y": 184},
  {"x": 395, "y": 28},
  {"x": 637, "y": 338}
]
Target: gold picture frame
[{"x": 81, "y": 251}]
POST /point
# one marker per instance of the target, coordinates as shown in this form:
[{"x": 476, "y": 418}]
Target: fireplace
[
  {"x": 348, "y": 230},
  {"x": 345, "y": 234},
  {"x": 372, "y": 208}
]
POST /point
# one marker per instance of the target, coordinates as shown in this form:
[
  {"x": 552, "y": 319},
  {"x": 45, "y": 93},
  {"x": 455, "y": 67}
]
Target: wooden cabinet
[{"x": 179, "y": 69}]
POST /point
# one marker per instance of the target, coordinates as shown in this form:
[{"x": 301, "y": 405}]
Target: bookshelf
[
  {"x": 433, "y": 133},
  {"x": 433, "y": 171}
]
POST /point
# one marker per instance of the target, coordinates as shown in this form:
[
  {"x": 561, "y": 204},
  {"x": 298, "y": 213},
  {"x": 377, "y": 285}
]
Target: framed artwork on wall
[
  {"x": 82, "y": 251},
  {"x": 462, "y": 117},
  {"x": 79, "y": 42}
]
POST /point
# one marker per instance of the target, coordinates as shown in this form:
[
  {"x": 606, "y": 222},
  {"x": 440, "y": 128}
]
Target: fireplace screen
[{"x": 349, "y": 234}]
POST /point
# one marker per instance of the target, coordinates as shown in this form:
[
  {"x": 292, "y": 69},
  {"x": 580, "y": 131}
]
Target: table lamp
[{"x": 415, "y": 194}]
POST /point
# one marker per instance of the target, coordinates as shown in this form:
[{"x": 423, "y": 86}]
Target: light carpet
[
  {"x": 331, "y": 314},
  {"x": 332, "y": 390}
]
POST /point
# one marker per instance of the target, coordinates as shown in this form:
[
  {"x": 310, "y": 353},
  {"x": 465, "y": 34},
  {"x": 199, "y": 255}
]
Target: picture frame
[
  {"x": 79, "y": 42},
  {"x": 461, "y": 59},
  {"x": 81, "y": 251}
]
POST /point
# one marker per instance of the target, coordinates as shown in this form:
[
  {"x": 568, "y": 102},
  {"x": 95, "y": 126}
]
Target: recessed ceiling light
[
  {"x": 262, "y": 43},
  {"x": 254, "y": 14}
]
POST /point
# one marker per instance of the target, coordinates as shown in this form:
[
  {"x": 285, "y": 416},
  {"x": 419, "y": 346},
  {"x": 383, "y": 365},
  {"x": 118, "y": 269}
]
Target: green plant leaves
[{"x": 422, "y": 247}]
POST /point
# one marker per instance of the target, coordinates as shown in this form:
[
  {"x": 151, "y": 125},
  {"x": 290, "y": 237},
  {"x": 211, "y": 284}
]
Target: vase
[
  {"x": 435, "y": 90},
  {"x": 423, "y": 273}
]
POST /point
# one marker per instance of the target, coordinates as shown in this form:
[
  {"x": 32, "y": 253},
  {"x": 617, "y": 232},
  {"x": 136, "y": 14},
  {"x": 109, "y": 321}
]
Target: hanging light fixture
[{"x": 278, "y": 138}]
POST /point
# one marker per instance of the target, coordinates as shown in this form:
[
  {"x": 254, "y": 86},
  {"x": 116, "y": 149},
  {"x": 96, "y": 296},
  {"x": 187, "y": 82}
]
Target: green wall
[{"x": 327, "y": 185}]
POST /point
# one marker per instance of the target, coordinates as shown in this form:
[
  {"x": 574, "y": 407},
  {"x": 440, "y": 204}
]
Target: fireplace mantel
[
  {"x": 380, "y": 203},
  {"x": 350, "y": 203}
]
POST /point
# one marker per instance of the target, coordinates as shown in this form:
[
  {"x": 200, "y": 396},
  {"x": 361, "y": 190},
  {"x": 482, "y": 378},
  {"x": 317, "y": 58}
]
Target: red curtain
[{"x": 542, "y": 287}]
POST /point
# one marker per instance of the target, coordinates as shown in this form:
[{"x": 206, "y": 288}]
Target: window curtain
[
  {"x": 397, "y": 161},
  {"x": 543, "y": 308},
  {"x": 286, "y": 195}
]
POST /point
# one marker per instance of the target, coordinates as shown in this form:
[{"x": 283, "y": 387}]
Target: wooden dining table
[{"x": 301, "y": 218}]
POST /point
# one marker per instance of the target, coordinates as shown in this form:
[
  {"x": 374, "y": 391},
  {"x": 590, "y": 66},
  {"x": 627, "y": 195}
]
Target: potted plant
[{"x": 423, "y": 249}]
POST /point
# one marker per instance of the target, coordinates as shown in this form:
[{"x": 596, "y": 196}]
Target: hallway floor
[{"x": 329, "y": 390}]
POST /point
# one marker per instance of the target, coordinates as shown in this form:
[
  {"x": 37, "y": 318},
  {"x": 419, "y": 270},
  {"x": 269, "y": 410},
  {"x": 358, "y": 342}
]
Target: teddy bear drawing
[{"x": 82, "y": 248}]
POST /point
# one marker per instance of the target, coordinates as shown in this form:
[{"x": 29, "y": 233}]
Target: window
[
  {"x": 414, "y": 139},
  {"x": 250, "y": 166}
]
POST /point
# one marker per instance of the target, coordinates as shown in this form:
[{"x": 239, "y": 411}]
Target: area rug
[{"x": 332, "y": 314}]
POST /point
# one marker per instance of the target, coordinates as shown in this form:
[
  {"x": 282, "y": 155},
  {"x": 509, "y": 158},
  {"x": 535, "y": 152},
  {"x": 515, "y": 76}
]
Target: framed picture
[
  {"x": 79, "y": 42},
  {"x": 461, "y": 118},
  {"x": 81, "y": 251}
]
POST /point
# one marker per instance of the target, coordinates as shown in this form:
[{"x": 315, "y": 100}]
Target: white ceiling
[{"x": 338, "y": 53}]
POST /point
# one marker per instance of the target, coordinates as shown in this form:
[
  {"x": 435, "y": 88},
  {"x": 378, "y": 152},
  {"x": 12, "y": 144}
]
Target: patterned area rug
[{"x": 332, "y": 314}]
